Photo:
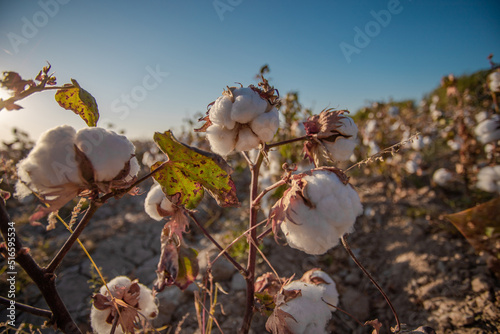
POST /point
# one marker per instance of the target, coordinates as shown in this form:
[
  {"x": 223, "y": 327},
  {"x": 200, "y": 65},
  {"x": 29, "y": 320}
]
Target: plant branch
[
  {"x": 56, "y": 261},
  {"x": 27, "y": 308},
  {"x": 226, "y": 255},
  {"x": 348, "y": 249},
  {"x": 44, "y": 280},
  {"x": 268, "y": 189},
  {"x": 284, "y": 142},
  {"x": 31, "y": 90}
]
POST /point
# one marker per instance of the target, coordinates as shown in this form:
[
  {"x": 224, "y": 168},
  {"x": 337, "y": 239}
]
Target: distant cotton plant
[
  {"x": 442, "y": 177},
  {"x": 494, "y": 81},
  {"x": 136, "y": 305},
  {"x": 318, "y": 208},
  {"x": 488, "y": 179}
]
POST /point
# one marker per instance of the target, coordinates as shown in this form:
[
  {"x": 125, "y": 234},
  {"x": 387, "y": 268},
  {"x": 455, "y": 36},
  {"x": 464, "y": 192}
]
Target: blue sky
[{"x": 197, "y": 47}]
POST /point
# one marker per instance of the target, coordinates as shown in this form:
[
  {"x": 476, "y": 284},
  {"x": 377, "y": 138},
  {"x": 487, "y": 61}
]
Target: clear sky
[{"x": 152, "y": 63}]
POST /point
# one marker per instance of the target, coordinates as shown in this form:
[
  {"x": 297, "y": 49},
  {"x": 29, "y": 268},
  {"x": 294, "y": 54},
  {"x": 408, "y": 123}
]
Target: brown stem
[
  {"x": 31, "y": 90},
  {"x": 43, "y": 279},
  {"x": 226, "y": 255},
  {"x": 26, "y": 308},
  {"x": 348, "y": 249},
  {"x": 56, "y": 261},
  {"x": 252, "y": 253},
  {"x": 268, "y": 189}
]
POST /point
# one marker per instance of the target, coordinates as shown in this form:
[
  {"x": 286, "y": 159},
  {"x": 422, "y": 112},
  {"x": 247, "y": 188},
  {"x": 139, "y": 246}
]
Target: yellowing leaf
[
  {"x": 188, "y": 267},
  {"x": 79, "y": 101},
  {"x": 189, "y": 171}
]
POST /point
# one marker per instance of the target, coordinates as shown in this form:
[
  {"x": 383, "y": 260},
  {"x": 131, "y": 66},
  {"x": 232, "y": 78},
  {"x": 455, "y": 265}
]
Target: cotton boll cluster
[
  {"x": 442, "y": 177},
  {"x": 309, "y": 309},
  {"x": 488, "y": 130},
  {"x": 488, "y": 179},
  {"x": 157, "y": 205},
  {"x": 138, "y": 297},
  {"x": 316, "y": 211},
  {"x": 241, "y": 119}
]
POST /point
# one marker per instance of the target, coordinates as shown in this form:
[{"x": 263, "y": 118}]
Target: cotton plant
[
  {"x": 488, "y": 130},
  {"x": 442, "y": 177}
]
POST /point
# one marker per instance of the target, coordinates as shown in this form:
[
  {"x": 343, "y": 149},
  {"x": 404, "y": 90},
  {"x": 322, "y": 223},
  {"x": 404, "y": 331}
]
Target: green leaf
[
  {"x": 79, "y": 101},
  {"x": 189, "y": 171}
]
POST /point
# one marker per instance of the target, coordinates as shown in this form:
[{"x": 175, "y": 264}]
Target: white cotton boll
[
  {"x": 442, "y": 176},
  {"x": 341, "y": 149},
  {"x": 266, "y": 125},
  {"x": 488, "y": 179},
  {"x": 417, "y": 144},
  {"x": 107, "y": 151},
  {"x": 147, "y": 305},
  {"x": 311, "y": 314},
  {"x": 374, "y": 148},
  {"x": 134, "y": 170},
  {"x": 411, "y": 167},
  {"x": 347, "y": 127},
  {"x": 220, "y": 112},
  {"x": 247, "y": 140},
  {"x": 494, "y": 81},
  {"x": 154, "y": 198},
  {"x": 454, "y": 144},
  {"x": 247, "y": 105},
  {"x": 488, "y": 130},
  {"x": 50, "y": 164},
  {"x": 370, "y": 126},
  {"x": 335, "y": 208},
  {"x": 222, "y": 140}
]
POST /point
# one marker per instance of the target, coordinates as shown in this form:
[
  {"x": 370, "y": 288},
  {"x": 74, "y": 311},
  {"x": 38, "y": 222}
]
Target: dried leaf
[
  {"x": 189, "y": 171},
  {"x": 13, "y": 81},
  {"x": 79, "y": 101},
  {"x": 13, "y": 106},
  {"x": 375, "y": 324},
  {"x": 277, "y": 324},
  {"x": 481, "y": 227},
  {"x": 188, "y": 267}
]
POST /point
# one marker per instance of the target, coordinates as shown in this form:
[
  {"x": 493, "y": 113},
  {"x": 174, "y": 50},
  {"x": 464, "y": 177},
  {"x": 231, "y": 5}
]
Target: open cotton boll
[
  {"x": 488, "y": 179},
  {"x": 266, "y": 125},
  {"x": 107, "y": 151},
  {"x": 50, "y": 164},
  {"x": 311, "y": 314},
  {"x": 330, "y": 211},
  {"x": 156, "y": 198},
  {"x": 494, "y": 81},
  {"x": 222, "y": 140},
  {"x": 247, "y": 105},
  {"x": 220, "y": 112},
  {"x": 247, "y": 140},
  {"x": 146, "y": 305}
]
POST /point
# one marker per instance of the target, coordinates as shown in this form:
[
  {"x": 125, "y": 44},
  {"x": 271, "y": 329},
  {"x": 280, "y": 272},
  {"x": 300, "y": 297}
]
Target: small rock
[
  {"x": 168, "y": 300},
  {"x": 222, "y": 270}
]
